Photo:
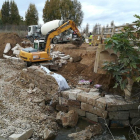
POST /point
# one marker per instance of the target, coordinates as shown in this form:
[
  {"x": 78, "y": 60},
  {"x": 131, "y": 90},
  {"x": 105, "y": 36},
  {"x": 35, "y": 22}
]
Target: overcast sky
[{"x": 95, "y": 11}]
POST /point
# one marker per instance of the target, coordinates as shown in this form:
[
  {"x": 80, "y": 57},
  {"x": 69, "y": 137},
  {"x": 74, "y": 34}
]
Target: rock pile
[
  {"x": 88, "y": 133},
  {"x": 23, "y": 110},
  {"x": 40, "y": 79}
]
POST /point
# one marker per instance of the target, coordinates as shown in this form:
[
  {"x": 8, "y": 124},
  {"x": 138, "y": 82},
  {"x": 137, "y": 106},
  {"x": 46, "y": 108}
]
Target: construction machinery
[
  {"x": 41, "y": 50},
  {"x": 34, "y": 33}
]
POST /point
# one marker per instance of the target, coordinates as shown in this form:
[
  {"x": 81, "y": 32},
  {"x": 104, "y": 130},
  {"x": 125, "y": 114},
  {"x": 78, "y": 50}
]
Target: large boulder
[{"x": 67, "y": 119}]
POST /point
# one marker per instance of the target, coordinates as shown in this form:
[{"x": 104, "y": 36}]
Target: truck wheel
[
  {"x": 29, "y": 64},
  {"x": 55, "y": 40}
]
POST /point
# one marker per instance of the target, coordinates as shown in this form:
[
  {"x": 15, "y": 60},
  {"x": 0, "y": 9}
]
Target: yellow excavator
[{"x": 41, "y": 51}]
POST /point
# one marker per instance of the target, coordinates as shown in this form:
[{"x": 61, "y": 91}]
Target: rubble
[
  {"x": 24, "y": 136},
  {"x": 88, "y": 133}
]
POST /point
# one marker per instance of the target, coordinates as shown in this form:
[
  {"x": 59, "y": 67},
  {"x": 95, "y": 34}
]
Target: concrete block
[
  {"x": 135, "y": 121},
  {"x": 116, "y": 102},
  {"x": 128, "y": 106},
  {"x": 91, "y": 99},
  {"x": 82, "y": 97},
  {"x": 65, "y": 94},
  {"x": 99, "y": 112},
  {"x": 63, "y": 101},
  {"x": 73, "y": 94},
  {"x": 119, "y": 123},
  {"x": 94, "y": 90},
  {"x": 86, "y": 107},
  {"x": 74, "y": 103},
  {"x": 134, "y": 113},
  {"x": 24, "y": 136},
  {"x": 79, "y": 111},
  {"x": 92, "y": 117},
  {"x": 62, "y": 108},
  {"x": 16, "y": 52},
  {"x": 101, "y": 103},
  {"x": 119, "y": 115}
]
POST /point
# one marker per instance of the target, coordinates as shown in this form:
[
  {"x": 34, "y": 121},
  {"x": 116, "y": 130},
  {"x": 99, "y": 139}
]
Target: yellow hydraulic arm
[{"x": 69, "y": 24}]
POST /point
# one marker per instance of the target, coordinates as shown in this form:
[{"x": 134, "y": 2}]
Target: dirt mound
[
  {"x": 83, "y": 69},
  {"x": 40, "y": 79},
  {"x": 11, "y": 38}
]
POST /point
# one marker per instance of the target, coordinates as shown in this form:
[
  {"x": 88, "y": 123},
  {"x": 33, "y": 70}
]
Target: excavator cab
[{"x": 39, "y": 45}]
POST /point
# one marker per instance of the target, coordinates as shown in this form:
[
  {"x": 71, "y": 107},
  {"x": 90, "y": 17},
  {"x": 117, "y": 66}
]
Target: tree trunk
[{"x": 128, "y": 89}]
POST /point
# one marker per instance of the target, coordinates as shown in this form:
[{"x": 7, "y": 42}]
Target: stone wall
[{"x": 112, "y": 108}]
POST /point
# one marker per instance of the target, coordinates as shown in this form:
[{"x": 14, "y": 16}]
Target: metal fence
[{"x": 21, "y": 30}]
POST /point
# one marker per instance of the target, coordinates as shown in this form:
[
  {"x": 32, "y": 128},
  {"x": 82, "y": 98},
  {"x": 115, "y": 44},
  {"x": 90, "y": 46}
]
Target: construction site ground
[{"x": 18, "y": 110}]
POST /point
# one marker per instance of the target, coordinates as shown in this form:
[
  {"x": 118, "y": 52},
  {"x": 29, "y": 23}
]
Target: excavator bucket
[{"x": 77, "y": 42}]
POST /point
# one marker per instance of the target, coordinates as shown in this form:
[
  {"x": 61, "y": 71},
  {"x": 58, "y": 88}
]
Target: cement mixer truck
[
  {"x": 34, "y": 33},
  {"x": 41, "y": 50}
]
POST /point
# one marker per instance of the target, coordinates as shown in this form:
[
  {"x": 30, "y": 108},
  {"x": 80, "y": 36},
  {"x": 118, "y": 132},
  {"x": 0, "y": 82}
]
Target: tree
[
  {"x": 0, "y": 18},
  {"x": 94, "y": 31},
  {"x": 87, "y": 29},
  {"x": 64, "y": 9},
  {"x": 10, "y": 13},
  {"x": 14, "y": 13},
  {"x": 51, "y": 10},
  {"x": 77, "y": 13},
  {"x": 22, "y": 21},
  {"x": 5, "y": 11},
  {"x": 31, "y": 16},
  {"x": 126, "y": 70}
]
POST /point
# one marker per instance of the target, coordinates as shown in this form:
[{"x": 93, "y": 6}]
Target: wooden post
[{"x": 128, "y": 89}]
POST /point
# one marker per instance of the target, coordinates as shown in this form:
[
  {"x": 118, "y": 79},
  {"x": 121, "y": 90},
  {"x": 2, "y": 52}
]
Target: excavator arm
[
  {"x": 31, "y": 55},
  {"x": 67, "y": 25}
]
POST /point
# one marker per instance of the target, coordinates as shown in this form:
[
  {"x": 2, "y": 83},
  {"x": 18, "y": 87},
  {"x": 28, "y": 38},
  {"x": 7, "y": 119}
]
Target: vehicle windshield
[
  {"x": 29, "y": 29},
  {"x": 41, "y": 46}
]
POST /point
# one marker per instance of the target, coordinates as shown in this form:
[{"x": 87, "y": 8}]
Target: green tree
[
  {"x": 87, "y": 29},
  {"x": 22, "y": 21},
  {"x": 126, "y": 70},
  {"x": 14, "y": 14},
  {"x": 31, "y": 16},
  {"x": 51, "y": 10},
  {"x": 0, "y": 18},
  {"x": 66, "y": 8},
  {"x": 5, "y": 11},
  {"x": 63, "y": 9},
  {"x": 76, "y": 13}
]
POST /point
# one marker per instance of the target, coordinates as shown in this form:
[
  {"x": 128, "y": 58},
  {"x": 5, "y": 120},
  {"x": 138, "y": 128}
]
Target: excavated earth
[
  {"x": 24, "y": 96},
  {"x": 83, "y": 66}
]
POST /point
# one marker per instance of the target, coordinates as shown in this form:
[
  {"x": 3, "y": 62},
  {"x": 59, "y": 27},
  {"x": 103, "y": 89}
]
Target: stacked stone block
[{"x": 113, "y": 108}]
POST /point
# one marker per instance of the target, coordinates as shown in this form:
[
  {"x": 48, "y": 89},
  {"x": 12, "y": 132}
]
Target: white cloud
[{"x": 97, "y": 11}]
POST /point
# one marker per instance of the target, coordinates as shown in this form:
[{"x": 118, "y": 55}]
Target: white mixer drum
[{"x": 47, "y": 27}]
